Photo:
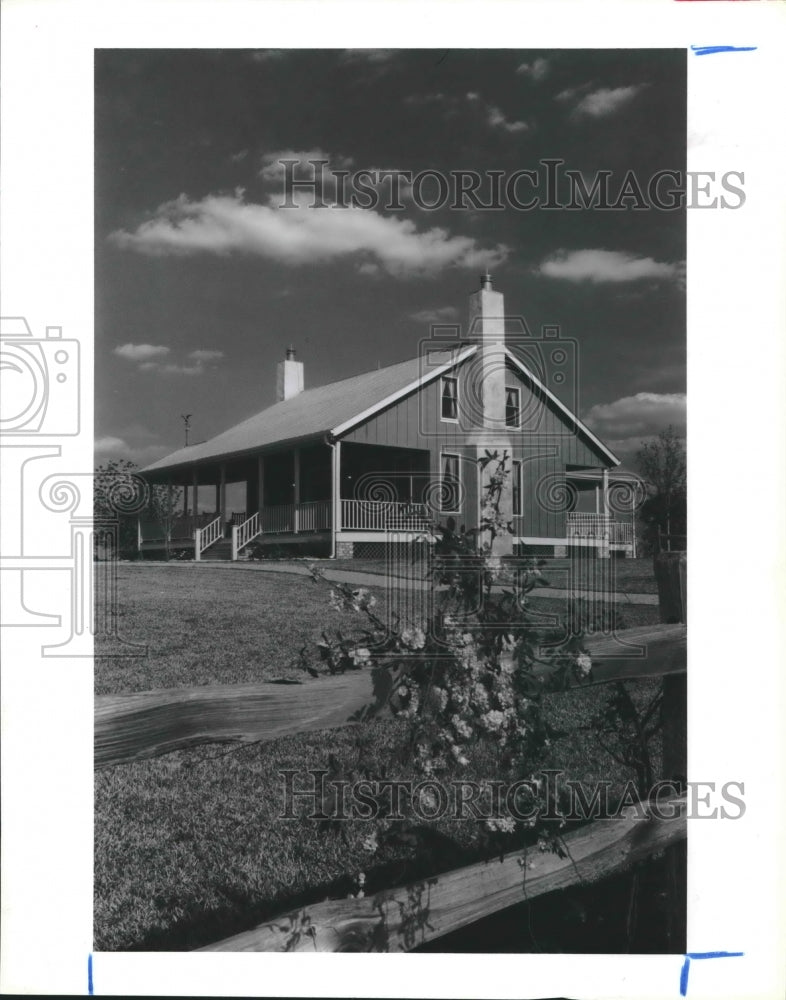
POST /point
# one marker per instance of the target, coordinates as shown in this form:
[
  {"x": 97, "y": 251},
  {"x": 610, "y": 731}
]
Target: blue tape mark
[
  {"x": 708, "y": 50},
  {"x": 701, "y": 954},
  {"x": 90, "y": 974}
]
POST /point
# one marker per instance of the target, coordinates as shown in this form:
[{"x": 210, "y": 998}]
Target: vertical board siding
[{"x": 414, "y": 422}]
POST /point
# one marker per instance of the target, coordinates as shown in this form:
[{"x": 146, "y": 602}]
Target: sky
[{"x": 203, "y": 279}]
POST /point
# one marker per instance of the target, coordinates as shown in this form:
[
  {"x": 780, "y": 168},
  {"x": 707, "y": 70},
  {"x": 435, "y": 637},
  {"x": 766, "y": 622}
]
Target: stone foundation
[{"x": 344, "y": 550}]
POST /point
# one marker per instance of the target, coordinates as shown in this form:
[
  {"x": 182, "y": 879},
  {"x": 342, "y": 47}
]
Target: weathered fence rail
[
  {"x": 131, "y": 727},
  {"x": 136, "y": 726},
  {"x": 401, "y": 919}
]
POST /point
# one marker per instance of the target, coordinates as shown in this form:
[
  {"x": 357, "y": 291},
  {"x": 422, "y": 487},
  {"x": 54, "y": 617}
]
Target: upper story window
[
  {"x": 449, "y": 398},
  {"x": 512, "y": 407}
]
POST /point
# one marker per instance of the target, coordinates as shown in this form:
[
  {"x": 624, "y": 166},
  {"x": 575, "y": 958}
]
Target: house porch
[{"x": 342, "y": 493}]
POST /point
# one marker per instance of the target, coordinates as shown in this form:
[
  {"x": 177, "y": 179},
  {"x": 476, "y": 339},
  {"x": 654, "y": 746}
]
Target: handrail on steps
[
  {"x": 205, "y": 537},
  {"x": 244, "y": 533}
]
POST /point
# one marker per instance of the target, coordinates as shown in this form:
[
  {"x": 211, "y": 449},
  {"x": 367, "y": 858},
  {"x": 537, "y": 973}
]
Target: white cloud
[
  {"x": 109, "y": 445},
  {"x": 136, "y": 443},
  {"x": 226, "y": 224},
  {"x": 497, "y": 119},
  {"x": 604, "y": 101},
  {"x": 494, "y": 116},
  {"x": 571, "y": 92},
  {"x": 172, "y": 369},
  {"x": 634, "y": 418},
  {"x": 608, "y": 267},
  {"x": 140, "y": 352},
  {"x": 203, "y": 355},
  {"x": 196, "y": 369},
  {"x": 318, "y": 168},
  {"x": 148, "y": 357},
  {"x": 536, "y": 70},
  {"x": 273, "y": 170},
  {"x": 443, "y": 314}
]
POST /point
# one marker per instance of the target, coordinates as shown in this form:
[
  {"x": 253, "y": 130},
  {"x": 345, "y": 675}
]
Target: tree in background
[
  {"x": 117, "y": 496},
  {"x": 662, "y": 465}
]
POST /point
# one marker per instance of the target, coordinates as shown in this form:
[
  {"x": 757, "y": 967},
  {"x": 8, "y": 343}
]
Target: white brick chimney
[
  {"x": 289, "y": 376},
  {"x": 487, "y": 328}
]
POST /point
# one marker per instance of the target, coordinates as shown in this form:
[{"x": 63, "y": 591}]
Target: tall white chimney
[
  {"x": 487, "y": 328},
  {"x": 289, "y": 376}
]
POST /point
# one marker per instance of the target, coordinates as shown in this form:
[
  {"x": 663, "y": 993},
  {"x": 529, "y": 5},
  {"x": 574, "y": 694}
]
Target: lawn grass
[
  {"x": 209, "y": 625},
  {"x": 631, "y": 576},
  {"x": 191, "y": 847}
]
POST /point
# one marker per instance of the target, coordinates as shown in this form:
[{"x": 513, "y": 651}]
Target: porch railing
[
  {"x": 205, "y": 537},
  {"x": 381, "y": 515},
  {"x": 276, "y": 520},
  {"x": 244, "y": 532},
  {"x": 586, "y": 525},
  {"x": 314, "y": 515}
]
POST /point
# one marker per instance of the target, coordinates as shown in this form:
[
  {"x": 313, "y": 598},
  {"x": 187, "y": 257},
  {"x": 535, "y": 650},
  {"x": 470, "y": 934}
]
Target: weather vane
[{"x": 186, "y": 417}]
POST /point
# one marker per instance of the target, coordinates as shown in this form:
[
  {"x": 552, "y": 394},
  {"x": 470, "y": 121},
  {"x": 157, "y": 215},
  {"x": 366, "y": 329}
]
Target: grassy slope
[
  {"x": 208, "y": 625},
  {"x": 632, "y": 576},
  {"x": 190, "y": 847}
]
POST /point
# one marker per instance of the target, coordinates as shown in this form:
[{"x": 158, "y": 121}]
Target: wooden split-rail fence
[{"x": 139, "y": 726}]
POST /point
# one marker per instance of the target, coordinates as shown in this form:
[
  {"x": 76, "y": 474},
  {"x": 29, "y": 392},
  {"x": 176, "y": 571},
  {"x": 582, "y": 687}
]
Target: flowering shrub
[{"x": 475, "y": 674}]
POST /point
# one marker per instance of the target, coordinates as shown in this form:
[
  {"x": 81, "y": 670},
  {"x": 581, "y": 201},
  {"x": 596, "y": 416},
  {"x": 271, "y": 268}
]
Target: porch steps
[{"x": 220, "y": 551}]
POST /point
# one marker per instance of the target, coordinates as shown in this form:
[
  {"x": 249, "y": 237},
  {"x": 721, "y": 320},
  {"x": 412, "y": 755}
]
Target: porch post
[
  {"x": 168, "y": 518},
  {"x": 222, "y": 492},
  {"x": 260, "y": 485},
  {"x": 604, "y": 551},
  {"x": 251, "y": 498},
  {"x": 185, "y": 500},
  {"x": 597, "y": 499},
  {"x": 195, "y": 486},
  {"x": 335, "y": 519},
  {"x": 297, "y": 490}
]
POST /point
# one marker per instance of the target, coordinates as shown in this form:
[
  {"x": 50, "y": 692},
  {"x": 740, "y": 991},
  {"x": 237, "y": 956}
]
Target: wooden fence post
[{"x": 671, "y": 576}]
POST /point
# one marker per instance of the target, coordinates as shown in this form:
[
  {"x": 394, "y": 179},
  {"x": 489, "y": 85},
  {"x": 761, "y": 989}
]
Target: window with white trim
[
  {"x": 450, "y": 492},
  {"x": 449, "y": 398},
  {"x": 512, "y": 407}
]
